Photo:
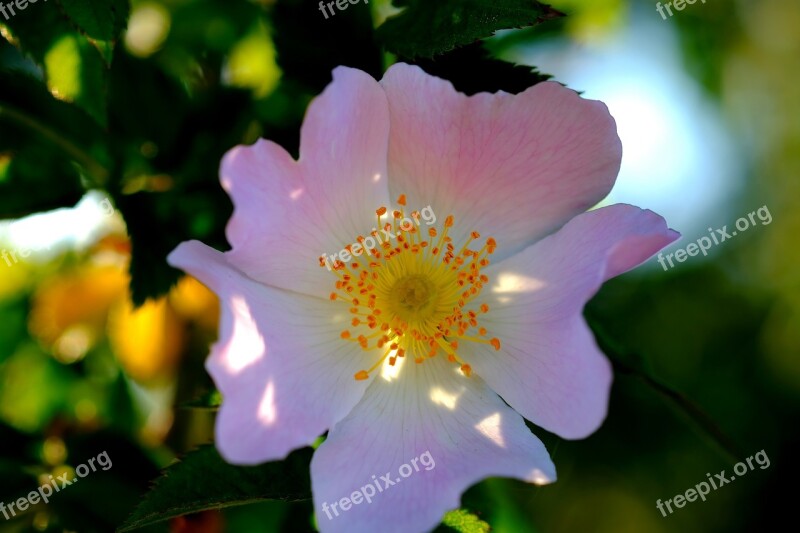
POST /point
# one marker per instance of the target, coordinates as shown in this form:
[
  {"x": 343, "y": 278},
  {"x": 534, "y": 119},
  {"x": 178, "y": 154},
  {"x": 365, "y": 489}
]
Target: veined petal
[
  {"x": 549, "y": 368},
  {"x": 516, "y": 166},
  {"x": 465, "y": 428},
  {"x": 288, "y": 213},
  {"x": 284, "y": 373}
]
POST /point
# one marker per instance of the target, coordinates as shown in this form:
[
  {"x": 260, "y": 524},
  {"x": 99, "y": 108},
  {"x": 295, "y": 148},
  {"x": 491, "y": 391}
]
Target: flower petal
[
  {"x": 549, "y": 367},
  {"x": 288, "y": 213},
  {"x": 284, "y": 373},
  {"x": 469, "y": 432},
  {"x": 516, "y": 167}
]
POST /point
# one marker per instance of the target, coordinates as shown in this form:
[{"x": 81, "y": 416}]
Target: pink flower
[{"x": 407, "y": 351}]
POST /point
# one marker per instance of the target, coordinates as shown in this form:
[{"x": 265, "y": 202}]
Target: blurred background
[{"x": 109, "y": 150}]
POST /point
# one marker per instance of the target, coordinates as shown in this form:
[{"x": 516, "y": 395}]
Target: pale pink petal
[
  {"x": 469, "y": 432},
  {"x": 515, "y": 167},
  {"x": 549, "y": 368},
  {"x": 284, "y": 373},
  {"x": 287, "y": 212}
]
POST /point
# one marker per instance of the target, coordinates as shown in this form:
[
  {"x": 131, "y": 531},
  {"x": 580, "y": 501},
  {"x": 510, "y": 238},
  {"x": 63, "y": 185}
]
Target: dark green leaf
[
  {"x": 187, "y": 138},
  {"x": 627, "y": 362},
  {"x": 471, "y": 70},
  {"x": 73, "y": 65},
  {"x": 99, "y": 19},
  {"x": 27, "y": 183},
  {"x": 153, "y": 236},
  {"x": 425, "y": 28},
  {"x": 41, "y": 141},
  {"x": 203, "y": 480},
  {"x": 347, "y": 38}
]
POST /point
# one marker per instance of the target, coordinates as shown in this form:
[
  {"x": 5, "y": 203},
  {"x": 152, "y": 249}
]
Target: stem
[
  {"x": 621, "y": 362},
  {"x": 93, "y": 168},
  {"x": 690, "y": 409}
]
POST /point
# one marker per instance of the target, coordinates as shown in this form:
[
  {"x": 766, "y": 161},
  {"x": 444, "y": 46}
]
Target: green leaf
[
  {"x": 43, "y": 145},
  {"x": 472, "y": 70},
  {"x": 146, "y": 215},
  {"x": 33, "y": 179},
  {"x": 465, "y": 522},
  {"x": 76, "y": 73},
  {"x": 73, "y": 65},
  {"x": 347, "y": 38},
  {"x": 425, "y": 28},
  {"x": 636, "y": 365},
  {"x": 99, "y": 19},
  {"x": 203, "y": 480},
  {"x": 211, "y": 399}
]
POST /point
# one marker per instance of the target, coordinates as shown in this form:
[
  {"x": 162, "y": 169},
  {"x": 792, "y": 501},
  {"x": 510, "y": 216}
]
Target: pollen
[{"x": 413, "y": 296}]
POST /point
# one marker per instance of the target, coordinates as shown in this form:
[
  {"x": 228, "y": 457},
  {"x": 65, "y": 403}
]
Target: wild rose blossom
[{"x": 410, "y": 348}]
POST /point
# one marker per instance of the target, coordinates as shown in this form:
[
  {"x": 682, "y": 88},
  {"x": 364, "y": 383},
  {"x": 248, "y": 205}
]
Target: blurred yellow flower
[{"x": 72, "y": 312}]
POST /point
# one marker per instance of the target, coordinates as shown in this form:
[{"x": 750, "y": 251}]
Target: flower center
[{"x": 413, "y": 296}]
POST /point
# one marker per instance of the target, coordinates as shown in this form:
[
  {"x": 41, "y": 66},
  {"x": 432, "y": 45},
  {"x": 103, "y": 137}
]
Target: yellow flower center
[{"x": 412, "y": 297}]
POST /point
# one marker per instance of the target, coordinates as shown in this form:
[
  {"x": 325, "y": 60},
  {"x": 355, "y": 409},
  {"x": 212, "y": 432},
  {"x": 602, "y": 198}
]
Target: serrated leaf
[
  {"x": 203, "y": 480},
  {"x": 471, "y": 70},
  {"x": 465, "y": 522},
  {"x": 425, "y": 28},
  {"x": 146, "y": 215},
  {"x": 177, "y": 195},
  {"x": 98, "y": 19}
]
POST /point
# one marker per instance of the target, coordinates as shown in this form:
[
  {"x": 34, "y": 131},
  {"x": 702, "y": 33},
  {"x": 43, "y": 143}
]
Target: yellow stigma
[{"x": 411, "y": 295}]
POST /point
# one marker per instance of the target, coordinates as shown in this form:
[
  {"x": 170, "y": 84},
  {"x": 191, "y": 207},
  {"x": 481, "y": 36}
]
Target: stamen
[{"x": 413, "y": 295}]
